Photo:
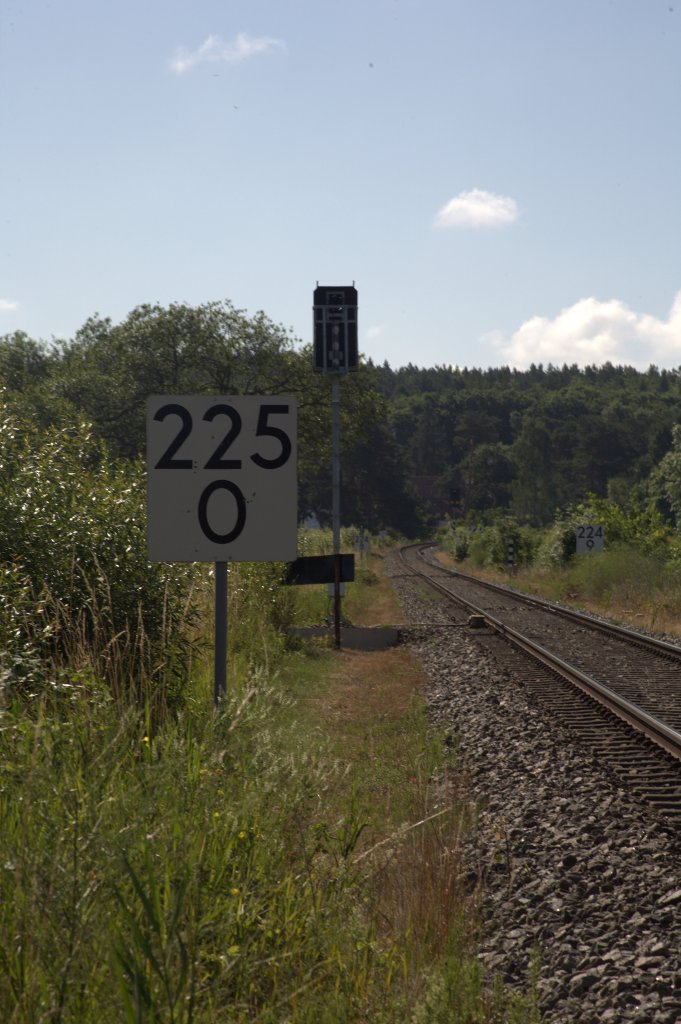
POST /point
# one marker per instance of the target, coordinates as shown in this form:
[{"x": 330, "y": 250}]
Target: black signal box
[{"x": 335, "y": 328}]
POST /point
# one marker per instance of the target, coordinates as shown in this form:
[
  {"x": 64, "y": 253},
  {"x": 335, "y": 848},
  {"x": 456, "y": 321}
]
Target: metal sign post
[
  {"x": 220, "y": 667},
  {"x": 335, "y": 508}
]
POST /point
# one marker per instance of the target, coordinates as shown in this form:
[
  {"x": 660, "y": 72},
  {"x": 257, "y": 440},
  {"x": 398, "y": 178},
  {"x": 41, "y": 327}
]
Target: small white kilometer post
[{"x": 589, "y": 539}]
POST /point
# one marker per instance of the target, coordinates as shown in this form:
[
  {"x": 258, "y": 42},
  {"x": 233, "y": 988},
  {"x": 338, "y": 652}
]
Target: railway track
[{"x": 617, "y": 690}]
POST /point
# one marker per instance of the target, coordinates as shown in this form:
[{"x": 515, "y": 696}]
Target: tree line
[
  {"x": 531, "y": 442},
  {"x": 525, "y": 442},
  {"x": 106, "y": 371}
]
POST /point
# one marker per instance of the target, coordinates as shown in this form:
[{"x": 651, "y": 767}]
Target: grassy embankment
[
  {"x": 274, "y": 862},
  {"x": 627, "y": 585},
  {"x": 636, "y": 579}
]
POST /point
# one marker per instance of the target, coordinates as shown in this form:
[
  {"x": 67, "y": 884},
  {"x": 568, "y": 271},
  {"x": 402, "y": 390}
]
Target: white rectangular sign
[
  {"x": 589, "y": 539},
  {"x": 221, "y": 478}
]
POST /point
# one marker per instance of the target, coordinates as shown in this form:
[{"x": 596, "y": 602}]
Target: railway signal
[
  {"x": 335, "y": 328},
  {"x": 335, "y": 353}
]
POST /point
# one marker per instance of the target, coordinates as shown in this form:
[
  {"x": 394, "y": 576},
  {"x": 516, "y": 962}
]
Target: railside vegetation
[
  {"x": 418, "y": 443},
  {"x": 635, "y": 578},
  {"x": 288, "y": 858}
]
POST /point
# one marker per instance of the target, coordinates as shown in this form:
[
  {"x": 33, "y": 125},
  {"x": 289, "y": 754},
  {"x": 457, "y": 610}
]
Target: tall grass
[
  {"x": 205, "y": 871},
  {"x": 170, "y": 876},
  {"x": 624, "y": 582}
]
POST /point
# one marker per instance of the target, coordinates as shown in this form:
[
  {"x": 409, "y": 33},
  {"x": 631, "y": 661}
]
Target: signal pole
[
  {"x": 335, "y": 506},
  {"x": 335, "y": 353}
]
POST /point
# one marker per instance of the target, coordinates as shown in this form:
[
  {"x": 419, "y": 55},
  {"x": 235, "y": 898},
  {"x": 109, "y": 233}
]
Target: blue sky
[{"x": 501, "y": 178}]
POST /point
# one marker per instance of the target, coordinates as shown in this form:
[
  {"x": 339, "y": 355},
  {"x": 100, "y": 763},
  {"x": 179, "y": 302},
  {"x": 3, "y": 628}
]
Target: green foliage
[
  {"x": 642, "y": 529},
  {"x": 453, "y": 995},
  {"x": 665, "y": 480},
  {"x": 557, "y": 544},
  {"x": 76, "y": 588},
  {"x": 487, "y": 545},
  {"x": 203, "y": 866},
  {"x": 526, "y": 441},
  {"x": 628, "y": 524},
  {"x": 634, "y": 585},
  {"x": 311, "y": 605},
  {"x": 460, "y": 543},
  {"x": 376, "y": 493},
  {"x": 534, "y": 440},
  {"x": 171, "y": 860},
  {"x": 108, "y": 370},
  {"x": 24, "y": 363},
  {"x": 22, "y": 635},
  {"x": 260, "y": 612},
  {"x": 623, "y": 575}
]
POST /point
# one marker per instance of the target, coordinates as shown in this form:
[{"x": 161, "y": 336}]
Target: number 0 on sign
[{"x": 221, "y": 478}]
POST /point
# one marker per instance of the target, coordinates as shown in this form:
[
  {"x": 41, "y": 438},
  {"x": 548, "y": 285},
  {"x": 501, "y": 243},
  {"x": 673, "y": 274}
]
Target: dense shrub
[
  {"x": 624, "y": 574},
  {"x": 455, "y": 539},
  {"x": 642, "y": 529},
  {"x": 76, "y": 587},
  {"x": 557, "y": 545},
  {"x": 488, "y": 545}
]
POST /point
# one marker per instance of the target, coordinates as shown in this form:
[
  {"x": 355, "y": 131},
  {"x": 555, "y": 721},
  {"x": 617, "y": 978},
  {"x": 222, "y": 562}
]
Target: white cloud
[
  {"x": 8, "y": 306},
  {"x": 231, "y": 52},
  {"x": 374, "y": 332},
  {"x": 593, "y": 332},
  {"x": 477, "y": 209}
]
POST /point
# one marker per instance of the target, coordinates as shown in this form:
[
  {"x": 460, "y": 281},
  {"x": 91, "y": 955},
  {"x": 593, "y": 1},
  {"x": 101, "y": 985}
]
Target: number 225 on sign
[{"x": 221, "y": 478}]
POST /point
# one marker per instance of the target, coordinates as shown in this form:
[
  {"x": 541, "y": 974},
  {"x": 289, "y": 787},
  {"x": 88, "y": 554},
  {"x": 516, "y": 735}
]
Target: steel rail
[
  {"x": 567, "y": 613},
  {"x": 655, "y": 730}
]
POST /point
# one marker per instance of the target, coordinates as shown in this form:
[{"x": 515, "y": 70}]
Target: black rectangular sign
[{"x": 319, "y": 569}]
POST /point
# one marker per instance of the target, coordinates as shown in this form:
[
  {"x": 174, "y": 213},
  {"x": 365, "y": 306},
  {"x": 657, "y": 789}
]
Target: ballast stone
[{"x": 586, "y": 874}]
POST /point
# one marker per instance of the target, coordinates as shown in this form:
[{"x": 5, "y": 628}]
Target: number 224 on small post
[{"x": 221, "y": 478}]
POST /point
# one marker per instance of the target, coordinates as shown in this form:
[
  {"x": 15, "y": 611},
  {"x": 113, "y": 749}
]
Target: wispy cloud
[
  {"x": 8, "y": 305},
  {"x": 477, "y": 209},
  {"x": 214, "y": 49},
  {"x": 593, "y": 332},
  {"x": 374, "y": 332}
]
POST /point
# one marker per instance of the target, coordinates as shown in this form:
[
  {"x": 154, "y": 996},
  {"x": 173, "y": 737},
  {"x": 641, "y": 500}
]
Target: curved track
[{"x": 618, "y": 688}]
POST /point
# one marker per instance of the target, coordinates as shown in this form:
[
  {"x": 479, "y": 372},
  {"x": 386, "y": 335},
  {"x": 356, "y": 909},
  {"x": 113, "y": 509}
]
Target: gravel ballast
[{"x": 573, "y": 874}]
